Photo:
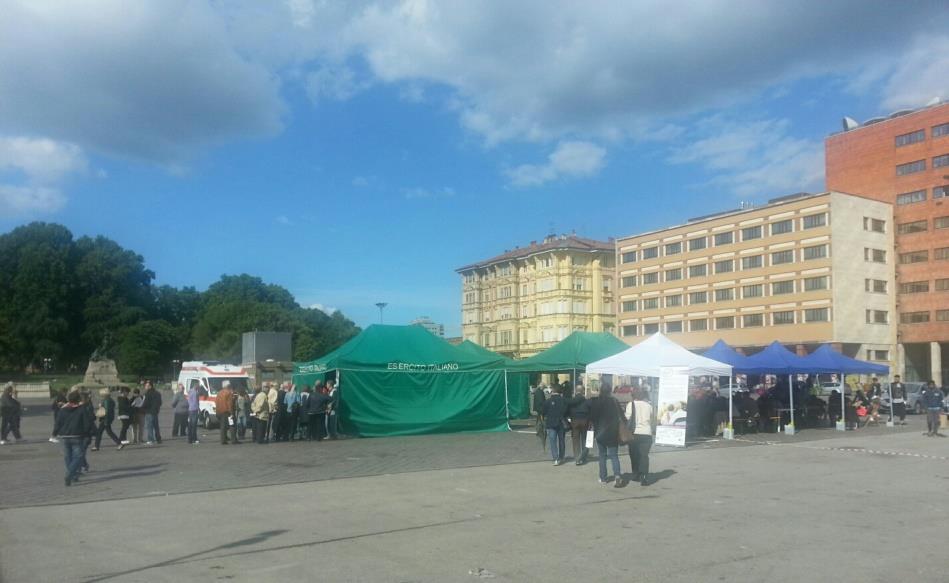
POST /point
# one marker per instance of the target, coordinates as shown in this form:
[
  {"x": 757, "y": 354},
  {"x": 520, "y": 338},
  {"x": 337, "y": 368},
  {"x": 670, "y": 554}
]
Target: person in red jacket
[{"x": 224, "y": 407}]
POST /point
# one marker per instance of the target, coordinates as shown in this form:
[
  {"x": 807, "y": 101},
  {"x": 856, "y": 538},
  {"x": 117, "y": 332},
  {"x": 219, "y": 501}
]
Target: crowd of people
[
  {"x": 272, "y": 413},
  {"x": 613, "y": 427}
]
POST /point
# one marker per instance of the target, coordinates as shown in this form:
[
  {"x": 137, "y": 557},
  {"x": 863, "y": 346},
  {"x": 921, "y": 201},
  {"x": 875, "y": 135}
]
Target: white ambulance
[{"x": 210, "y": 376}]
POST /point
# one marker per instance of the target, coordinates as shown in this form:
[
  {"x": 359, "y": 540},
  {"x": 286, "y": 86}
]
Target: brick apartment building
[{"x": 903, "y": 159}]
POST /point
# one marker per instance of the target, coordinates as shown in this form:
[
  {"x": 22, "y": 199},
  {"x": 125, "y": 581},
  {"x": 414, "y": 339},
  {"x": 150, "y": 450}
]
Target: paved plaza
[{"x": 863, "y": 506}]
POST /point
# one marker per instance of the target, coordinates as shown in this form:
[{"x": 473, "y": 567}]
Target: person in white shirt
[{"x": 640, "y": 414}]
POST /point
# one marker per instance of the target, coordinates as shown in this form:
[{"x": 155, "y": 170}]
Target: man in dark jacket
[
  {"x": 10, "y": 411},
  {"x": 150, "y": 406},
  {"x": 606, "y": 416},
  {"x": 105, "y": 422},
  {"x": 898, "y": 399},
  {"x": 554, "y": 412},
  {"x": 578, "y": 412},
  {"x": 932, "y": 399},
  {"x": 72, "y": 428},
  {"x": 315, "y": 412}
]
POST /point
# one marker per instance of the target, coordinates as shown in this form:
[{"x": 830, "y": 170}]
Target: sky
[{"x": 360, "y": 152}]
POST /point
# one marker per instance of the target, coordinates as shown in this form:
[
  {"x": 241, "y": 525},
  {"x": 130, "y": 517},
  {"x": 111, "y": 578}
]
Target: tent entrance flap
[{"x": 391, "y": 403}]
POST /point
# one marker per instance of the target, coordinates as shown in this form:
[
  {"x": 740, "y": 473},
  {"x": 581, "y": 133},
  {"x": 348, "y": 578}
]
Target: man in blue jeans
[
  {"x": 72, "y": 428},
  {"x": 554, "y": 412},
  {"x": 932, "y": 399}
]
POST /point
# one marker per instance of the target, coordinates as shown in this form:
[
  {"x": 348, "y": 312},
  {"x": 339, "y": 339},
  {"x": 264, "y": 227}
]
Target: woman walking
[
  {"x": 138, "y": 415},
  {"x": 640, "y": 414},
  {"x": 606, "y": 415},
  {"x": 105, "y": 415}
]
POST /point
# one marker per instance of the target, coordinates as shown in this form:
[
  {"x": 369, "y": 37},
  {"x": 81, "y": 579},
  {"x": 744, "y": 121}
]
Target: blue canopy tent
[
  {"x": 722, "y": 352},
  {"x": 827, "y": 357}
]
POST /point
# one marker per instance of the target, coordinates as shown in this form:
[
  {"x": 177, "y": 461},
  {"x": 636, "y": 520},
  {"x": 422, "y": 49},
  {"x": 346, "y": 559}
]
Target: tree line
[{"x": 60, "y": 296}]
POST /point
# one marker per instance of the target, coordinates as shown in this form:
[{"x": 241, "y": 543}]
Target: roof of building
[
  {"x": 934, "y": 104},
  {"x": 551, "y": 243}
]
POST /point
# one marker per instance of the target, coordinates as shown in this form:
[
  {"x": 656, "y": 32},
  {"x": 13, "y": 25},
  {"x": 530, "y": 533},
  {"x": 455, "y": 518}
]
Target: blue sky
[{"x": 360, "y": 152}]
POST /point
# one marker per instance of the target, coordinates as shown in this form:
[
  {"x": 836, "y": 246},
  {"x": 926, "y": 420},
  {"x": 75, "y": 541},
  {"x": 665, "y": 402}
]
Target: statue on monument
[{"x": 106, "y": 349}]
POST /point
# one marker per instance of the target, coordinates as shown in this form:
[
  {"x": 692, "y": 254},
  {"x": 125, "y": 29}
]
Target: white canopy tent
[{"x": 647, "y": 358}]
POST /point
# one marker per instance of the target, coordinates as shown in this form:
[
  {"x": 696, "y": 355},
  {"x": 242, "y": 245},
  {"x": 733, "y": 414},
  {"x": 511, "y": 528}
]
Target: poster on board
[{"x": 671, "y": 414}]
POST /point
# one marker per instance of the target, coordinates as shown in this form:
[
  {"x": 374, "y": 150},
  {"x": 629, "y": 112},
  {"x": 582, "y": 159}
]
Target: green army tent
[
  {"x": 518, "y": 383},
  {"x": 573, "y": 353},
  {"x": 403, "y": 380}
]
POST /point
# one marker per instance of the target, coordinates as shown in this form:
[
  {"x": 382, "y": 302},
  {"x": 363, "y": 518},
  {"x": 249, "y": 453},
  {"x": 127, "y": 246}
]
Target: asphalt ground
[{"x": 822, "y": 505}]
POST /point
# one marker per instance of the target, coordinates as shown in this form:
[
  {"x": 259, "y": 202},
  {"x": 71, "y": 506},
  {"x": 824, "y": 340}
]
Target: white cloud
[
  {"x": 338, "y": 83},
  {"x": 920, "y": 75},
  {"x": 416, "y": 193},
  {"x": 328, "y": 310},
  {"x": 32, "y": 170},
  {"x": 283, "y": 220},
  {"x": 360, "y": 181},
  {"x": 754, "y": 158},
  {"x": 574, "y": 159}
]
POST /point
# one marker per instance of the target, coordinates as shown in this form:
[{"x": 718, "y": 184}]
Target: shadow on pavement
[{"x": 110, "y": 477}]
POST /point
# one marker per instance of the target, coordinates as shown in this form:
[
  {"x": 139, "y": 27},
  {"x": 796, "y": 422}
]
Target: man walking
[
  {"x": 106, "y": 417},
  {"x": 151, "y": 401},
  {"x": 224, "y": 406},
  {"x": 932, "y": 399},
  {"x": 10, "y": 410},
  {"x": 554, "y": 411},
  {"x": 898, "y": 399},
  {"x": 72, "y": 427}
]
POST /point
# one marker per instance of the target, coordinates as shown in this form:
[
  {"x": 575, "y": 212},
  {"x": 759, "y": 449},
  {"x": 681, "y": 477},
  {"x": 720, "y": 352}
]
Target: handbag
[
  {"x": 625, "y": 435},
  {"x": 101, "y": 412}
]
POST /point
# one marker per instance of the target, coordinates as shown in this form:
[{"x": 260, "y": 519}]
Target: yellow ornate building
[{"x": 526, "y": 300}]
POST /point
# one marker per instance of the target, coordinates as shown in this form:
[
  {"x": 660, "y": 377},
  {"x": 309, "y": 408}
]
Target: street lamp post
[{"x": 381, "y": 306}]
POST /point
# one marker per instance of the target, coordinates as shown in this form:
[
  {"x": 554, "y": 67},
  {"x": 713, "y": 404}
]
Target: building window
[
  {"x": 779, "y": 318},
  {"x": 672, "y": 327},
  {"x": 629, "y": 329},
  {"x": 579, "y": 284},
  {"x": 725, "y": 266},
  {"x": 941, "y": 223},
  {"x": 779, "y": 257},
  {"x": 940, "y": 161},
  {"x": 650, "y": 253},
  {"x": 698, "y": 270},
  {"x": 817, "y": 315},
  {"x": 650, "y": 328},
  {"x": 815, "y": 283},
  {"x": 673, "y": 248},
  {"x": 914, "y": 257},
  {"x": 650, "y": 303},
  {"x": 752, "y": 320},
  {"x": 629, "y": 305},
  {"x": 910, "y": 138},
  {"x": 914, "y": 287},
  {"x": 698, "y": 325},
  {"x": 942, "y": 285},
  {"x": 941, "y": 254},
  {"x": 752, "y": 291},
  {"x": 724, "y": 238},
  {"x": 782, "y": 287},
  {"x": 674, "y": 274},
  {"x": 942, "y": 315},
  {"x": 752, "y": 262},
  {"x": 696, "y": 244},
  {"x": 875, "y": 225},
  {"x": 724, "y": 322},
  {"x": 547, "y": 262},
  {"x": 879, "y": 355},
  {"x": 749, "y": 233},
  {"x": 698, "y": 298},
  {"x": 877, "y": 286},
  {"x": 914, "y": 317},
  {"x": 724, "y": 294},
  {"x": 877, "y": 317},
  {"x": 814, "y": 221},
  {"x": 815, "y": 252},
  {"x": 650, "y": 278},
  {"x": 674, "y": 301},
  {"x": 629, "y": 281},
  {"x": 782, "y": 227},
  {"x": 874, "y": 255},
  {"x": 911, "y": 197},
  {"x": 629, "y": 257},
  {"x": 912, "y": 227},
  {"x": 940, "y": 130},
  {"x": 911, "y": 168},
  {"x": 941, "y": 191}
]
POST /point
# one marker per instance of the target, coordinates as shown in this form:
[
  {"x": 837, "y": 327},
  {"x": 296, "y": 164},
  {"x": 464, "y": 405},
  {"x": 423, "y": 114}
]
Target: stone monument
[{"x": 101, "y": 372}]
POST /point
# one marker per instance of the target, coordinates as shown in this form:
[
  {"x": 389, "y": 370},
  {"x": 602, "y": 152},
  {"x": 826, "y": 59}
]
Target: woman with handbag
[
  {"x": 609, "y": 428},
  {"x": 124, "y": 406},
  {"x": 105, "y": 415},
  {"x": 640, "y": 415}
]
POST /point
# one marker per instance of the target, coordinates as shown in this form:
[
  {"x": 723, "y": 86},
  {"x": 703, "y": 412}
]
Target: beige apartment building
[
  {"x": 528, "y": 299},
  {"x": 804, "y": 269}
]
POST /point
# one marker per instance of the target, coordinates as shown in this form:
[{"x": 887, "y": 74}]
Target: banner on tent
[{"x": 673, "y": 397}]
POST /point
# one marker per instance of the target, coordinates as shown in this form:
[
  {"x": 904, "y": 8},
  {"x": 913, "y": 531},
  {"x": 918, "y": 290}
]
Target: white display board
[{"x": 672, "y": 414}]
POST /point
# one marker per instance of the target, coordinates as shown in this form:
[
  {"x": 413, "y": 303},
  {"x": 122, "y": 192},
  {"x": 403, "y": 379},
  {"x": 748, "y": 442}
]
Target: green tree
[{"x": 147, "y": 348}]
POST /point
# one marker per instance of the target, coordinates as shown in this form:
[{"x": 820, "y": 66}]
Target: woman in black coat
[{"x": 606, "y": 415}]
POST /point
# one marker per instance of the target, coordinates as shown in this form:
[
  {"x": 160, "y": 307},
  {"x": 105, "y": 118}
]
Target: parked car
[{"x": 914, "y": 391}]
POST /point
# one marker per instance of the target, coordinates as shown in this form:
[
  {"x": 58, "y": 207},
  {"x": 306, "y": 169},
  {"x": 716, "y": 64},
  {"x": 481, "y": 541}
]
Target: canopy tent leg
[
  {"x": 729, "y": 432},
  {"x": 507, "y": 402},
  {"x": 889, "y": 393},
  {"x": 789, "y": 428},
  {"x": 573, "y": 384},
  {"x": 842, "y": 422}
]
